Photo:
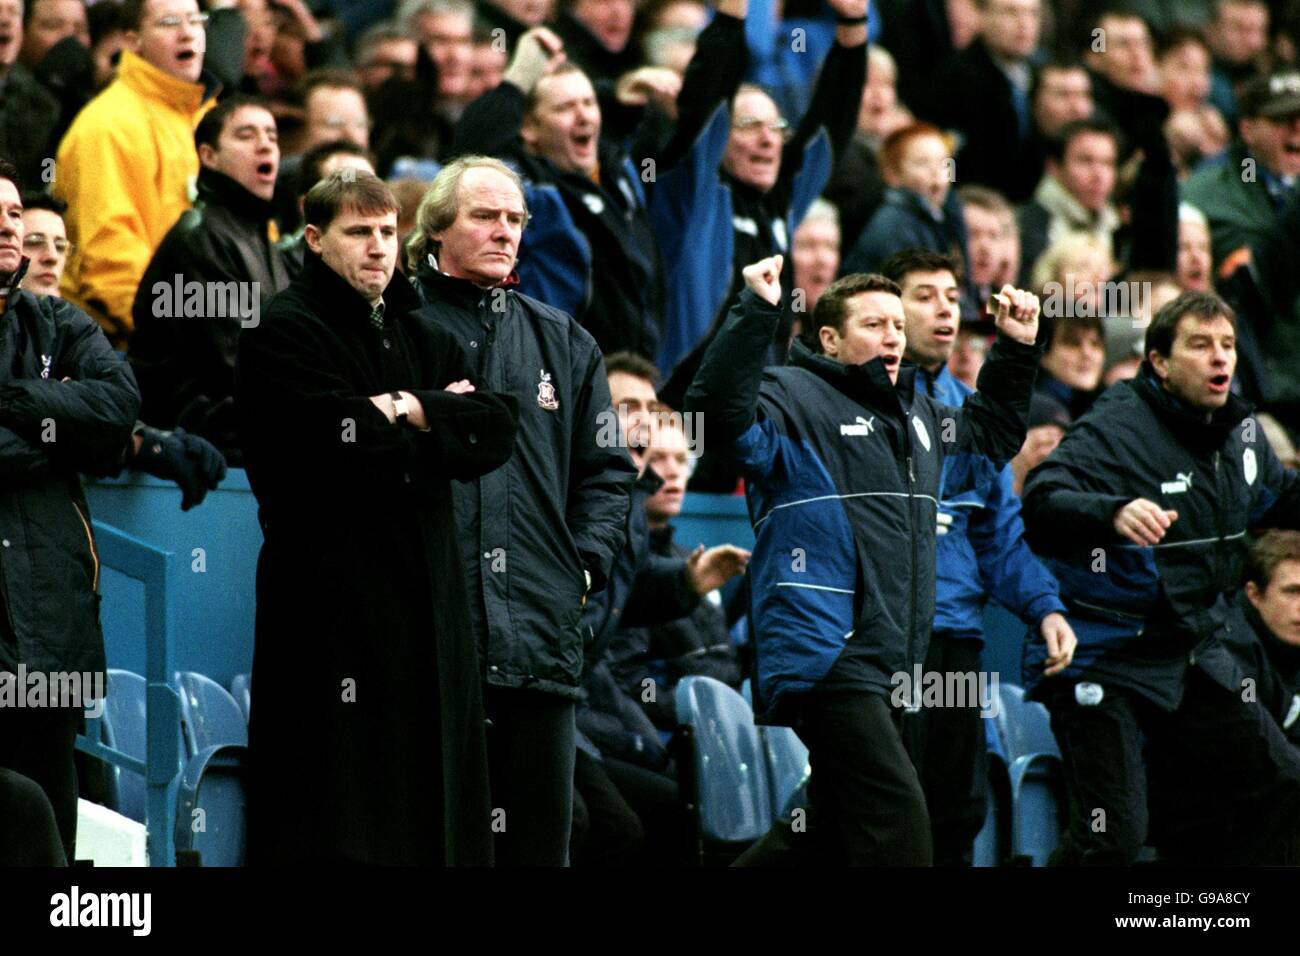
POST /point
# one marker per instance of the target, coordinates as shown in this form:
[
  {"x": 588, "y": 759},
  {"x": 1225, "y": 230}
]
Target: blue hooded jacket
[{"x": 984, "y": 553}]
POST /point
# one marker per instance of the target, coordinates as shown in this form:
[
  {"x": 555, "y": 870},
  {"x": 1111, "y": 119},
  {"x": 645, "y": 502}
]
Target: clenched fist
[
  {"x": 764, "y": 277},
  {"x": 1016, "y": 312}
]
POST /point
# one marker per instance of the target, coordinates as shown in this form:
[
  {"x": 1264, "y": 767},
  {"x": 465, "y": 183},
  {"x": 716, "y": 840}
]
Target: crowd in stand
[{"x": 521, "y": 254}]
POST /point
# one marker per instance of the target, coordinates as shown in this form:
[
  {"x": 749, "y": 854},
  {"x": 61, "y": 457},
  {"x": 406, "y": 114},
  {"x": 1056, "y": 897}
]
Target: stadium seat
[
  {"x": 787, "y": 764},
  {"x": 1036, "y": 781},
  {"x": 726, "y": 777},
  {"x": 211, "y": 806},
  {"x": 123, "y": 728},
  {"x": 241, "y": 688},
  {"x": 209, "y": 715},
  {"x": 992, "y": 841}
]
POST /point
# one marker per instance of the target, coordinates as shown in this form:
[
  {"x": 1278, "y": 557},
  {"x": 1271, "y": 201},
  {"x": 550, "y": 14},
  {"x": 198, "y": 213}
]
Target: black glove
[{"x": 192, "y": 462}]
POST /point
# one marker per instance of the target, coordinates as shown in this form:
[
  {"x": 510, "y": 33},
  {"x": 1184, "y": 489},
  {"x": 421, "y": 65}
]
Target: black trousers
[
  {"x": 631, "y": 815},
  {"x": 38, "y": 742},
  {"x": 29, "y": 835},
  {"x": 1216, "y": 784},
  {"x": 948, "y": 746},
  {"x": 530, "y": 767},
  {"x": 866, "y": 805}
]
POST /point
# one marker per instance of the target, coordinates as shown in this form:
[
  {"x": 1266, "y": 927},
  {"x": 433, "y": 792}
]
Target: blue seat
[
  {"x": 209, "y": 715},
  {"x": 241, "y": 688},
  {"x": 123, "y": 728},
  {"x": 211, "y": 809},
  {"x": 1035, "y": 774},
  {"x": 787, "y": 764},
  {"x": 728, "y": 767},
  {"x": 992, "y": 842}
]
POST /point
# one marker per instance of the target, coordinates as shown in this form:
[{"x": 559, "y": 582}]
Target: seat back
[
  {"x": 732, "y": 791},
  {"x": 209, "y": 715},
  {"x": 787, "y": 764},
  {"x": 1024, "y": 725},
  {"x": 241, "y": 688},
  {"x": 123, "y": 728},
  {"x": 211, "y": 817}
]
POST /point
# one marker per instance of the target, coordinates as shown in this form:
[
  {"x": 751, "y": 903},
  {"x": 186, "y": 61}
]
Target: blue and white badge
[{"x": 1088, "y": 694}]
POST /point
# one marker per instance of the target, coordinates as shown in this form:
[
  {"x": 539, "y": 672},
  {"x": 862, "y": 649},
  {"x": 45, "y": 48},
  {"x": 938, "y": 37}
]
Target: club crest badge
[
  {"x": 46, "y": 360},
  {"x": 546, "y": 393}
]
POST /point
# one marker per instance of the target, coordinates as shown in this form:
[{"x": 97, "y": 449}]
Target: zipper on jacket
[
  {"x": 90, "y": 540},
  {"x": 911, "y": 533}
]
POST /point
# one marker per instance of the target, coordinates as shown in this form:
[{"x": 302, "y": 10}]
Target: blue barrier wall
[{"x": 214, "y": 589}]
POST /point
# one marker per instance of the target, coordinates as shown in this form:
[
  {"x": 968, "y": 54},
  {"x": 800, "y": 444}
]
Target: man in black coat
[
  {"x": 984, "y": 93},
  {"x": 355, "y": 416},
  {"x": 540, "y": 534},
  {"x": 67, "y": 404},
  {"x": 214, "y": 272},
  {"x": 1141, "y": 513}
]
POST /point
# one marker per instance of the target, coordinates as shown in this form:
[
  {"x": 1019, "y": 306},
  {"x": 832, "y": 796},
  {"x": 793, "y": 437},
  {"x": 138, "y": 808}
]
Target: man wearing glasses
[{"x": 127, "y": 166}]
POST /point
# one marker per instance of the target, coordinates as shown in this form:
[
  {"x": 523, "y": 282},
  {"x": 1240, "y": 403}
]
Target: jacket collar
[
  {"x": 152, "y": 83},
  {"x": 1188, "y": 424},
  {"x": 867, "y": 384},
  {"x": 332, "y": 294},
  {"x": 438, "y": 285},
  {"x": 913, "y": 202},
  {"x": 218, "y": 189},
  {"x": 1056, "y": 199}
]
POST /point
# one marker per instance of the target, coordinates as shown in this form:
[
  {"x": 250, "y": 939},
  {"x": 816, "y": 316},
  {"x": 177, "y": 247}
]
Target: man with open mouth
[
  {"x": 1142, "y": 513},
  {"x": 842, "y": 455},
  {"x": 127, "y": 164},
  {"x": 185, "y": 361}
]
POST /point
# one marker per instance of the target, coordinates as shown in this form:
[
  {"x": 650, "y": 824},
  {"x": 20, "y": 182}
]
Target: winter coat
[
  {"x": 842, "y": 474},
  {"x": 906, "y": 221},
  {"x": 984, "y": 553},
  {"x": 363, "y": 634},
  {"x": 125, "y": 169},
  {"x": 1144, "y": 614},
  {"x": 52, "y": 431},
  {"x": 529, "y": 530},
  {"x": 185, "y": 359},
  {"x": 625, "y": 308}
]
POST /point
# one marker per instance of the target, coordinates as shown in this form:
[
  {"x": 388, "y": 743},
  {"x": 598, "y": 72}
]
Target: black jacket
[
  {"x": 1272, "y": 664},
  {"x": 625, "y": 310},
  {"x": 52, "y": 430},
  {"x": 362, "y": 620},
  {"x": 529, "y": 530},
  {"x": 842, "y": 471},
  {"x": 972, "y": 95},
  {"x": 1144, "y": 614},
  {"x": 29, "y": 119},
  {"x": 185, "y": 362},
  {"x": 643, "y": 589}
]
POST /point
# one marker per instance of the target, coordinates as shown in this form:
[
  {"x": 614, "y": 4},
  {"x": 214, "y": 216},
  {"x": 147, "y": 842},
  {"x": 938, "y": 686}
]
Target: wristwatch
[{"x": 400, "y": 409}]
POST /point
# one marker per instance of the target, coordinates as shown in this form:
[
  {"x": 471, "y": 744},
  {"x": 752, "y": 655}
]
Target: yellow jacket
[{"x": 126, "y": 169}]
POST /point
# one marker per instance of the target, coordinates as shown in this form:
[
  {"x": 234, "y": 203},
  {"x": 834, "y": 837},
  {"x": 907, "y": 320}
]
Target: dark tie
[{"x": 377, "y": 316}]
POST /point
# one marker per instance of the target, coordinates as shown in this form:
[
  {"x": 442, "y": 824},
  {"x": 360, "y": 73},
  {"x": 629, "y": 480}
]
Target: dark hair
[
  {"x": 44, "y": 201},
  {"x": 1163, "y": 328},
  {"x": 1050, "y": 327},
  {"x": 902, "y": 264},
  {"x": 130, "y": 14},
  {"x": 1171, "y": 40},
  {"x": 313, "y": 161},
  {"x": 208, "y": 132},
  {"x": 325, "y": 77},
  {"x": 1271, "y": 549},
  {"x": 629, "y": 363},
  {"x": 1059, "y": 66},
  {"x": 832, "y": 307},
  {"x": 347, "y": 189},
  {"x": 1058, "y": 145},
  {"x": 103, "y": 18},
  {"x": 10, "y": 172}
]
